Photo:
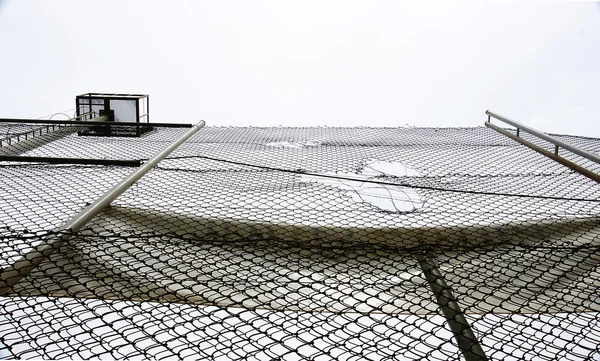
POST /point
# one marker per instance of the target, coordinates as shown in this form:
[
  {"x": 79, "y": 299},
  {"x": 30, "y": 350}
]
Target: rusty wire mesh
[{"x": 303, "y": 243}]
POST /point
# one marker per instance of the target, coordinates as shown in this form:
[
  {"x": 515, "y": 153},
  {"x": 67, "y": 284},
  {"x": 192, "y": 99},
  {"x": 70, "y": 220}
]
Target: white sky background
[{"x": 347, "y": 63}]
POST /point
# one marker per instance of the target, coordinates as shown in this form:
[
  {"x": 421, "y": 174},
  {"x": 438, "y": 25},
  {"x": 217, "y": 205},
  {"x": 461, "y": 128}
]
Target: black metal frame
[
  {"x": 86, "y": 100},
  {"x": 80, "y": 122}
]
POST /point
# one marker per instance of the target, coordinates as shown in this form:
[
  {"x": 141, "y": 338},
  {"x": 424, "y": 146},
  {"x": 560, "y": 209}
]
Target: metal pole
[
  {"x": 100, "y": 119},
  {"x": 12, "y": 274},
  {"x": 55, "y": 160},
  {"x": 79, "y": 116},
  {"x": 103, "y": 122},
  {"x": 465, "y": 338},
  {"x": 567, "y": 163},
  {"x": 537, "y": 133}
]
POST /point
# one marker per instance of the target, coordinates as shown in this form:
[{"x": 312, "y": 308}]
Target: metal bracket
[{"x": 557, "y": 143}]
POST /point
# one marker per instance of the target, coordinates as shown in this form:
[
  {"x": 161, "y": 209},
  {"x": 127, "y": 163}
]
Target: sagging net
[{"x": 304, "y": 243}]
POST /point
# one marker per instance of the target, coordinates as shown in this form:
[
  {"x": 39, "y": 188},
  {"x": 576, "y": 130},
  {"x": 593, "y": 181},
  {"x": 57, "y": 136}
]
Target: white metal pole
[{"x": 12, "y": 274}]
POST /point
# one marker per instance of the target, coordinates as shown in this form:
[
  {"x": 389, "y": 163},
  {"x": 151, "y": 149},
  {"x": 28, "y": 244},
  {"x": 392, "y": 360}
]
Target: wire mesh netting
[{"x": 304, "y": 243}]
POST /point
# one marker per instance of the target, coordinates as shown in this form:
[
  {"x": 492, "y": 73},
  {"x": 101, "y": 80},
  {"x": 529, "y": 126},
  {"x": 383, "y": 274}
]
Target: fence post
[{"x": 465, "y": 338}]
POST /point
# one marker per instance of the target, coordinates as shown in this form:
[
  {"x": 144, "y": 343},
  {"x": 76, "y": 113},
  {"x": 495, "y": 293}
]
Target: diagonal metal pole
[
  {"x": 465, "y": 338},
  {"x": 567, "y": 163},
  {"x": 558, "y": 143},
  {"x": 12, "y": 274}
]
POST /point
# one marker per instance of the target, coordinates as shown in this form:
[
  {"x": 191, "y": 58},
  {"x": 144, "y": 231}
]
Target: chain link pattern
[{"x": 304, "y": 243}]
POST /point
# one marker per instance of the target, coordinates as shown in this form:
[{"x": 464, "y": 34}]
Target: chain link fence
[{"x": 304, "y": 243}]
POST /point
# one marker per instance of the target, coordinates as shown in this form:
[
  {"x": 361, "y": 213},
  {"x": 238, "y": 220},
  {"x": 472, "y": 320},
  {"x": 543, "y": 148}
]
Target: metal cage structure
[{"x": 121, "y": 108}]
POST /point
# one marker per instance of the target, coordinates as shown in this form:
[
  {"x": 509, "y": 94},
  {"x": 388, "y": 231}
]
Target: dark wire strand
[{"x": 303, "y": 172}]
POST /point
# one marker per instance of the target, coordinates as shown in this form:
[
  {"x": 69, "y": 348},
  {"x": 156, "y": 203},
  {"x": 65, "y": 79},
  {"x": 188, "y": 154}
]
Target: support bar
[
  {"x": 11, "y": 275},
  {"x": 81, "y": 122},
  {"x": 546, "y": 137},
  {"x": 465, "y": 338},
  {"x": 56, "y": 160},
  {"x": 567, "y": 163},
  {"x": 30, "y": 133}
]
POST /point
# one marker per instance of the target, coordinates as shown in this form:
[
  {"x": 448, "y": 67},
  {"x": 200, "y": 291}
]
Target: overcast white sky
[{"x": 266, "y": 63}]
